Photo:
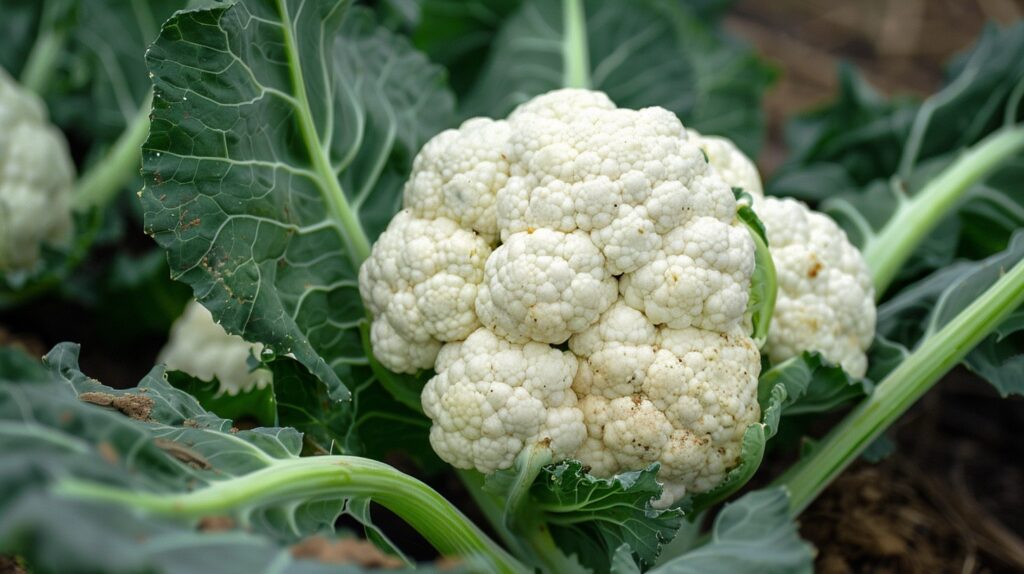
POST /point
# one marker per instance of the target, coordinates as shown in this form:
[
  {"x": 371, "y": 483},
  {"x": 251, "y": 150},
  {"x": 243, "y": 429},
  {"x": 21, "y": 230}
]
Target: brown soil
[
  {"x": 130, "y": 405},
  {"x": 345, "y": 551},
  {"x": 10, "y": 565}
]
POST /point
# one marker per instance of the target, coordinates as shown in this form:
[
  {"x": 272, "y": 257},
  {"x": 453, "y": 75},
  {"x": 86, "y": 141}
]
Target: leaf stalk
[
  {"x": 922, "y": 369},
  {"x": 889, "y": 250},
  {"x": 320, "y": 477}
]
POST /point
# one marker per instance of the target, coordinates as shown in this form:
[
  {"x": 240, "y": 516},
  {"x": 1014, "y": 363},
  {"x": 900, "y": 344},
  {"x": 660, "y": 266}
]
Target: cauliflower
[
  {"x": 491, "y": 397},
  {"x": 683, "y": 397},
  {"x": 421, "y": 284},
  {"x": 825, "y": 301},
  {"x": 200, "y": 347},
  {"x": 732, "y": 165},
  {"x": 572, "y": 221},
  {"x": 36, "y": 179}
]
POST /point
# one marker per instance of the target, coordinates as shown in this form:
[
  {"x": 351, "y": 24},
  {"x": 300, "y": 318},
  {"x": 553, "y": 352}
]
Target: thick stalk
[
  {"x": 575, "y": 53},
  {"x": 100, "y": 183},
  {"x": 902, "y": 388},
  {"x": 888, "y": 251},
  {"x": 447, "y": 529}
]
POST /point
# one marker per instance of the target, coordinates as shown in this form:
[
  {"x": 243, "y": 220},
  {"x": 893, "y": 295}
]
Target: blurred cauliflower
[
  {"x": 36, "y": 179},
  {"x": 202, "y": 348},
  {"x": 576, "y": 222}
]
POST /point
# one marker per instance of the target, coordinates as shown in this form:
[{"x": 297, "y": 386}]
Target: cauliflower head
[
  {"x": 825, "y": 301},
  {"x": 200, "y": 347},
  {"x": 578, "y": 278},
  {"x": 36, "y": 179}
]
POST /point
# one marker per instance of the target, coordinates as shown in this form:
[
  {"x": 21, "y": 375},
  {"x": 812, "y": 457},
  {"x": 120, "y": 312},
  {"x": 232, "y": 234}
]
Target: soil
[{"x": 345, "y": 551}]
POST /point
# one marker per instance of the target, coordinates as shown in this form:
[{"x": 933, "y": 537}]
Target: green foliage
[
  {"x": 591, "y": 517},
  {"x": 113, "y": 480},
  {"x": 371, "y": 424},
  {"x": 588, "y": 518},
  {"x": 812, "y": 384},
  {"x": 650, "y": 53},
  {"x": 267, "y": 177},
  {"x": 256, "y": 404},
  {"x": 920, "y": 310},
  {"x": 753, "y": 534},
  {"x": 863, "y": 156},
  {"x": 54, "y": 429}
]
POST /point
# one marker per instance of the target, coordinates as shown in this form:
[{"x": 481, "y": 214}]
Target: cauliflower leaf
[{"x": 279, "y": 143}]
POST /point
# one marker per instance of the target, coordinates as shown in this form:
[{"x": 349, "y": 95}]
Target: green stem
[
  {"x": 575, "y": 53},
  {"x": 529, "y": 522},
  {"x": 473, "y": 481},
  {"x": 888, "y": 251},
  {"x": 101, "y": 182},
  {"x": 350, "y": 228},
  {"x": 319, "y": 477},
  {"x": 42, "y": 60},
  {"x": 902, "y": 388}
]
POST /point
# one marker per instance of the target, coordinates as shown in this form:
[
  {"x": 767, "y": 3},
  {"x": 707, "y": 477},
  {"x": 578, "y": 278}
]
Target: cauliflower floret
[
  {"x": 458, "y": 173},
  {"x": 731, "y": 164},
  {"x": 683, "y": 397},
  {"x": 826, "y": 301},
  {"x": 36, "y": 179},
  {"x": 491, "y": 398},
  {"x": 609, "y": 230},
  {"x": 544, "y": 286},
  {"x": 422, "y": 279},
  {"x": 624, "y": 176},
  {"x": 701, "y": 277},
  {"x": 202, "y": 348}
]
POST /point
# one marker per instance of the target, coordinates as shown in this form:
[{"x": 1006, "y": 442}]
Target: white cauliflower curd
[
  {"x": 36, "y": 179},
  {"x": 202, "y": 348},
  {"x": 826, "y": 301},
  {"x": 572, "y": 222}
]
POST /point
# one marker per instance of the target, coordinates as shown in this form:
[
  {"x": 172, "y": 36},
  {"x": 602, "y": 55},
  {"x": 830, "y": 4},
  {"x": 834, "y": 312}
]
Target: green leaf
[
  {"x": 764, "y": 285},
  {"x": 372, "y": 424},
  {"x": 127, "y": 480},
  {"x": 592, "y": 517},
  {"x": 650, "y": 53},
  {"x": 926, "y": 306},
  {"x": 458, "y": 33},
  {"x": 282, "y": 132},
  {"x": 813, "y": 385},
  {"x": 753, "y": 534},
  {"x": 256, "y": 404},
  {"x": 17, "y": 365},
  {"x": 864, "y": 157}
]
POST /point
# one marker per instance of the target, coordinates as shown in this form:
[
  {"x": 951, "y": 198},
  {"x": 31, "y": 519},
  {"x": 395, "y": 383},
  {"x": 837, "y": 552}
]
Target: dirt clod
[
  {"x": 216, "y": 523},
  {"x": 10, "y": 565},
  {"x": 344, "y": 551},
  {"x": 128, "y": 404},
  {"x": 183, "y": 453}
]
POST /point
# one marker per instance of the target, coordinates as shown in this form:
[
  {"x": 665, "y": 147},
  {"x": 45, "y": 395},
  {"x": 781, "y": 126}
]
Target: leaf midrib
[{"x": 349, "y": 227}]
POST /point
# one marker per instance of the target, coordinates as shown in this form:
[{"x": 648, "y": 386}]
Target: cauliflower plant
[
  {"x": 200, "y": 347},
  {"x": 572, "y": 222},
  {"x": 826, "y": 301},
  {"x": 36, "y": 179}
]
